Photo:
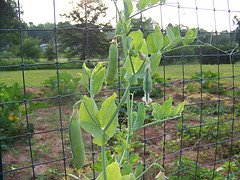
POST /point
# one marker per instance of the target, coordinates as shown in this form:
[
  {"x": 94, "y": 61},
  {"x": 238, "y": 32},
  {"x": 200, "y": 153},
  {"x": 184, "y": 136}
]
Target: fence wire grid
[{"x": 205, "y": 139}]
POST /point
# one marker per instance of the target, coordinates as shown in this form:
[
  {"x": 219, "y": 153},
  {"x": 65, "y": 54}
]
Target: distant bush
[
  {"x": 12, "y": 113},
  {"x": 209, "y": 82},
  {"x": 67, "y": 84}
]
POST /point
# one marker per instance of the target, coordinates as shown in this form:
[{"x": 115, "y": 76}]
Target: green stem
[
  {"x": 104, "y": 160},
  {"x": 156, "y": 122}
]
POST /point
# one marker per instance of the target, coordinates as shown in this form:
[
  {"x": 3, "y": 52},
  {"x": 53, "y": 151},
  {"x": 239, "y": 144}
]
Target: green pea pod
[
  {"x": 112, "y": 63},
  {"x": 76, "y": 140}
]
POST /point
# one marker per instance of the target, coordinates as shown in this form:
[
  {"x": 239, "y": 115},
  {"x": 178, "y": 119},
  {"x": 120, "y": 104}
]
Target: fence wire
[{"x": 174, "y": 142}]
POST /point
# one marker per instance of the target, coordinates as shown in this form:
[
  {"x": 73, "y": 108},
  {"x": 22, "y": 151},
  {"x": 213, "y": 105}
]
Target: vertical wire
[
  {"x": 144, "y": 129},
  {"x": 218, "y": 108},
  {"x": 58, "y": 87},
  {"x": 164, "y": 95},
  {"x": 1, "y": 163},
  {"x": 87, "y": 55},
  {"x": 183, "y": 97},
  {"x": 24, "y": 90},
  {"x": 201, "y": 107},
  {"x": 200, "y": 61},
  {"x": 119, "y": 74},
  {"x": 233, "y": 97}
]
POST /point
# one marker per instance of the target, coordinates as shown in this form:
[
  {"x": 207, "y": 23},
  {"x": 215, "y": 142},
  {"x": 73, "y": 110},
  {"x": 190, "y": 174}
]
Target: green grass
[{"x": 35, "y": 78}]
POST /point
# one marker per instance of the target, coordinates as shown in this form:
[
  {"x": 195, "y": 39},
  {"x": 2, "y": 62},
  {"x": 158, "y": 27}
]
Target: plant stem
[{"x": 104, "y": 160}]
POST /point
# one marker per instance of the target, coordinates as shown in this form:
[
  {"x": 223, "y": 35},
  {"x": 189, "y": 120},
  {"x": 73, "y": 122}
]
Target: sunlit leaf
[
  {"x": 189, "y": 37},
  {"x": 155, "y": 61},
  {"x": 88, "y": 118},
  {"x": 137, "y": 39},
  {"x": 97, "y": 79},
  {"x": 128, "y": 177},
  {"x": 139, "y": 169},
  {"x": 105, "y": 114},
  {"x": 170, "y": 34},
  {"x": 159, "y": 39},
  {"x": 142, "y": 4},
  {"x": 128, "y": 8},
  {"x": 151, "y": 43},
  {"x": 113, "y": 172},
  {"x": 141, "y": 115}
]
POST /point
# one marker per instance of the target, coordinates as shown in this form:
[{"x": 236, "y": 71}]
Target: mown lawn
[{"x": 35, "y": 78}]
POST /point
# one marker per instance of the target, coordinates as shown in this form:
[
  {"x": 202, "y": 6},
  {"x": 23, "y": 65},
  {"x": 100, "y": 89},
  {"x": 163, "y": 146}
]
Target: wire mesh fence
[{"x": 203, "y": 143}]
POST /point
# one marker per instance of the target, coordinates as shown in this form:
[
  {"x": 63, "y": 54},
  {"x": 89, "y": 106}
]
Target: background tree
[
  {"x": 74, "y": 38},
  {"x": 8, "y": 19},
  {"x": 147, "y": 25}
]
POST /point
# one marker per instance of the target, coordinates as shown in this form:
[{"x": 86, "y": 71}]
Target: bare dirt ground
[{"x": 47, "y": 145}]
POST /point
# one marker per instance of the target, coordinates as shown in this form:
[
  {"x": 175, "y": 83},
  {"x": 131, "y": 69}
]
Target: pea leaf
[
  {"x": 139, "y": 169},
  {"x": 166, "y": 110},
  {"x": 176, "y": 31},
  {"x": 141, "y": 115},
  {"x": 104, "y": 115},
  {"x": 128, "y": 177},
  {"x": 113, "y": 172},
  {"x": 170, "y": 34},
  {"x": 97, "y": 79},
  {"x": 155, "y": 61},
  {"x": 189, "y": 37},
  {"x": 137, "y": 39},
  {"x": 88, "y": 119},
  {"x": 126, "y": 169},
  {"x": 178, "y": 110},
  {"x": 158, "y": 36},
  {"x": 151, "y": 43},
  {"x": 128, "y": 8},
  {"x": 142, "y": 4},
  {"x": 152, "y": 2},
  {"x": 86, "y": 70}
]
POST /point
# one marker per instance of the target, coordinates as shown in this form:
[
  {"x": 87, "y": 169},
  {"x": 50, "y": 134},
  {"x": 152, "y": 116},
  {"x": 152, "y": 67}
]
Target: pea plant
[{"x": 141, "y": 59}]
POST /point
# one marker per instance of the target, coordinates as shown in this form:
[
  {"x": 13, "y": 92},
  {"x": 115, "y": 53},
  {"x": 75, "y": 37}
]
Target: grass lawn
[{"x": 35, "y": 78}]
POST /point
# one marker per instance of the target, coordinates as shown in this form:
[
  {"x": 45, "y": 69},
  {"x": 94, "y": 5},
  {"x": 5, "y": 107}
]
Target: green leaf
[
  {"x": 141, "y": 115},
  {"x": 137, "y": 39},
  {"x": 88, "y": 119},
  {"x": 97, "y": 79},
  {"x": 128, "y": 8},
  {"x": 155, "y": 61},
  {"x": 138, "y": 170},
  {"x": 105, "y": 114},
  {"x": 167, "y": 108},
  {"x": 126, "y": 169},
  {"x": 151, "y": 43},
  {"x": 113, "y": 172},
  {"x": 86, "y": 70},
  {"x": 84, "y": 80},
  {"x": 129, "y": 177},
  {"x": 158, "y": 36},
  {"x": 118, "y": 28},
  {"x": 170, "y": 34},
  {"x": 189, "y": 37},
  {"x": 178, "y": 110},
  {"x": 176, "y": 32},
  {"x": 152, "y": 2},
  {"x": 142, "y": 4}
]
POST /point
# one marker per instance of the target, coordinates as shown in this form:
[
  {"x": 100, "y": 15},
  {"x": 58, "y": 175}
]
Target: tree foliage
[{"x": 83, "y": 35}]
